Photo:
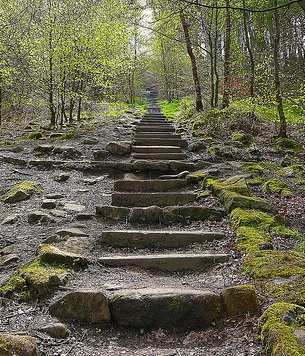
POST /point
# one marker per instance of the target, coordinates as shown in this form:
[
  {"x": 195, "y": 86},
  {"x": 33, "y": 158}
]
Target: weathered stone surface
[
  {"x": 149, "y": 215},
  {"x": 179, "y": 166},
  {"x": 144, "y": 308},
  {"x": 156, "y": 239},
  {"x": 90, "y": 141},
  {"x": 146, "y": 165},
  {"x": 89, "y": 306},
  {"x": 9, "y": 220},
  {"x": 78, "y": 244},
  {"x": 156, "y": 149},
  {"x": 63, "y": 177},
  {"x": 112, "y": 212},
  {"x": 170, "y": 262},
  {"x": 175, "y": 214},
  {"x": 71, "y": 206},
  {"x": 56, "y": 330},
  {"x": 161, "y": 156},
  {"x": 119, "y": 148},
  {"x": 161, "y": 142},
  {"x": 40, "y": 217},
  {"x": 149, "y": 199},
  {"x": 48, "y": 204},
  {"x": 22, "y": 192},
  {"x": 43, "y": 148},
  {"x": 71, "y": 232},
  {"x": 240, "y": 300},
  {"x": 67, "y": 151},
  {"x": 84, "y": 216},
  {"x": 100, "y": 154},
  {"x": 51, "y": 254},
  {"x": 156, "y": 185},
  {"x": 8, "y": 259},
  {"x": 17, "y": 345}
]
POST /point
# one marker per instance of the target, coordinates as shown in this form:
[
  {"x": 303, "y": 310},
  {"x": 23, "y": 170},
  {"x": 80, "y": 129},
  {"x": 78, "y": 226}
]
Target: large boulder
[
  {"x": 51, "y": 254},
  {"x": 88, "y": 306},
  {"x": 17, "y": 345},
  {"x": 121, "y": 148}
]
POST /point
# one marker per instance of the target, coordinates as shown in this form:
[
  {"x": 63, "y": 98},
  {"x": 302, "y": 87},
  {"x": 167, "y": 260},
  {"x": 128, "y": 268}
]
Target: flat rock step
[
  {"x": 161, "y": 120},
  {"x": 161, "y": 141},
  {"x": 142, "y": 165},
  {"x": 156, "y": 134},
  {"x": 156, "y": 239},
  {"x": 148, "y": 199},
  {"x": 156, "y": 149},
  {"x": 169, "y": 262},
  {"x": 171, "y": 156},
  {"x": 146, "y": 307},
  {"x": 157, "y": 185},
  {"x": 154, "y": 128}
]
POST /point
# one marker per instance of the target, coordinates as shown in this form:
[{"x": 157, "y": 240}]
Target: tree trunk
[
  {"x": 215, "y": 60},
  {"x": 248, "y": 45},
  {"x": 190, "y": 52},
  {"x": 283, "y": 127},
  {"x": 51, "y": 88},
  {"x": 227, "y": 59}
]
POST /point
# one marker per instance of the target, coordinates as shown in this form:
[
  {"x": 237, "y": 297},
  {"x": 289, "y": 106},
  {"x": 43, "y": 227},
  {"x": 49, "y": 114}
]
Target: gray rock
[
  {"x": 84, "y": 216},
  {"x": 40, "y": 217},
  {"x": 8, "y": 259},
  {"x": 56, "y": 330},
  {"x": 146, "y": 308},
  {"x": 63, "y": 177},
  {"x": 48, "y": 204},
  {"x": 89, "y": 306},
  {"x": 119, "y": 148},
  {"x": 70, "y": 206},
  {"x": 51, "y": 254},
  {"x": 71, "y": 232},
  {"x": 67, "y": 151},
  {"x": 9, "y": 220},
  {"x": 112, "y": 212},
  {"x": 43, "y": 149},
  {"x": 19, "y": 345},
  {"x": 17, "y": 196},
  {"x": 149, "y": 215},
  {"x": 90, "y": 141},
  {"x": 100, "y": 154}
]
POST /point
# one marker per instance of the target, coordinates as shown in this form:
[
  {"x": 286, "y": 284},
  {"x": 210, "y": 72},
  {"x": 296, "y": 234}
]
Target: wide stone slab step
[
  {"x": 156, "y": 185},
  {"x": 160, "y": 120},
  {"x": 156, "y": 239},
  {"x": 156, "y": 149},
  {"x": 145, "y": 308},
  {"x": 155, "y": 134},
  {"x": 161, "y": 142},
  {"x": 162, "y": 156},
  {"x": 142, "y": 165},
  {"x": 169, "y": 262},
  {"x": 148, "y": 199},
  {"x": 154, "y": 128}
]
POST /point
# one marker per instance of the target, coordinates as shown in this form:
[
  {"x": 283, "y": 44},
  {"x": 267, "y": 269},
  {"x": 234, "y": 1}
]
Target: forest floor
[{"x": 83, "y": 190}]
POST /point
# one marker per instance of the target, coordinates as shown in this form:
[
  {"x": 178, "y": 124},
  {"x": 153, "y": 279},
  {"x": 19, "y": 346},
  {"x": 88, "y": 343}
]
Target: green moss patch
[
  {"x": 34, "y": 281},
  {"x": 235, "y": 184},
  {"x": 289, "y": 144},
  {"x": 277, "y": 187},
  {"x": 254, "y": 168},
  {"x": 22, "y": 191},
  {"x": 279, "y": 327},
  {"x": 253, "y": 239},
  {"x": 255, "y": 218},
  {"x": 242, "y": 137},
  {"x": 272, "y": 264}
]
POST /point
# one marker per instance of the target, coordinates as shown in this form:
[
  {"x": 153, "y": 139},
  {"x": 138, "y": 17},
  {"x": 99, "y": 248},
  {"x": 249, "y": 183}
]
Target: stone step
[
  {"x": 165, "y": 307},
  {"x": 156, "y": 149},
  {"x": 161, "y": 120},
  {"x": 143, "y": 165},
  {"x": 156, "y": 239},
  {"x": 166, "y": 124},
  {"x": 165, "y": 156},
  {"x": 161, "y": 142},
  {"x": 148, "y": 199},
  {"x": 169, "y": 262},
  {"x": 157, "y": 185},
  {"x": 156, "y": 135},
  {"x": 154, "y": 129}
]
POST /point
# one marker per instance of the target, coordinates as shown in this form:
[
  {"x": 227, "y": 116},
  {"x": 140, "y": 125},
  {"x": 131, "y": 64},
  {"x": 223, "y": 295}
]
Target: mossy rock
[
  {"x": 198, "y": 133},
  {"x": 285, "y": 233},
  {"x": 52, "y": 255},
  {"x": 280, "y": 326},
  {"x": 277, "y": 187},
  {"x": 195, "y": 178},
  {"x": 255, "y": 181},
  {"x": 35, "y": 135},
  {"x": 255, "y": 168},
  {"x": 240, "y": 300},
  {"x": 272, "y": 264},
  {"x": 235, "y": 184},
  {"x": 242, "y": 137},
  {"x": 232, "y": 200},
  {"x": 35, "y": 281},
  {"x": 253, "y": 239},
  {"x": 22, "y": 191},
  {"x": 17, "y": 345},
  {"x": 288, "y": 144},
  {"x": 255, "y": 218}
]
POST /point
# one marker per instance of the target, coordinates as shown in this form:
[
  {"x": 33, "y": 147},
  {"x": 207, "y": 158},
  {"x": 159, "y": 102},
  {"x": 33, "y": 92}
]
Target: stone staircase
[{"x": 149, "y": 201}]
